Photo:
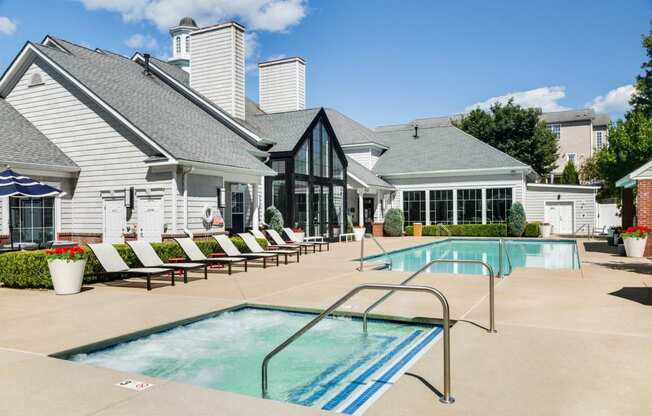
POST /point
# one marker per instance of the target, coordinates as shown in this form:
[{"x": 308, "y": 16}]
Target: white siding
[
  {"x": 202, "y": 191},
  {"x": 110, "y": 157},
  {"x": 583, "y": 201},
  {"x": 282, "y": 86},
  {"x": 362, "y": 156},
  {"x": 217, "y": 67}
]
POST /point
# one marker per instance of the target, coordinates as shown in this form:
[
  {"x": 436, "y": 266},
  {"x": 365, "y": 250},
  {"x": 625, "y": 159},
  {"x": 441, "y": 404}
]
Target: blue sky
[{"x": 384, "y": 62}]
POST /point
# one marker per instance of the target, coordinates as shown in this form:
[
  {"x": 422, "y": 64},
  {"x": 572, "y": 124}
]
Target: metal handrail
[
  {"x": 503, "y": 248},
  {"x": 443, "y": 227},
  {"x": 588, "y": 230},
  {"x": 361, "y": 268},
  {"x": 446, "y": 398},
  {"x": 492, "y": 324}
]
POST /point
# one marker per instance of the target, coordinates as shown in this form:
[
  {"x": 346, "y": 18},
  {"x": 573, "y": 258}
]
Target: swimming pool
[
  {"x": 334, "y": 366},
  {"x": 547, "y": 254}
]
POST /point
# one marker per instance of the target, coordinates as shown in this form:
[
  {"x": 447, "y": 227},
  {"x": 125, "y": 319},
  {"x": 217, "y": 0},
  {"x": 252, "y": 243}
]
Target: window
[
  {"x": 279, "y": 166},
  {"x": 301, "y": 159},
  {"x": 555, "y": 129},
  {"x": 414, "y": 206},
  {"x": 177, "y": 44},
  {"x": 441, "y": 207},
  {"x": 301, "y": 205},
  {"x": 599, "y": 139},
  {"x": 338, "y": 168},
  {"x": 469, "y": 206},
  {"x": 279, "y": 195},
  {"x": 187, "y": 44},
  {"x": 320, "y": 145},
  {"x": 499, "y": 201},
  {"x": 571, "y": 157},
  {"x": 32, "y": 219},
  {"x": 338, "y": 209}
]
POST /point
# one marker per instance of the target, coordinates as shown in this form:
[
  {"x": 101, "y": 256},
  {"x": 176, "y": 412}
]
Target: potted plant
[
  {"x": 66, "y": 266},
  {"x": 635, "y": 239},
  {"x": 299, "y": 233},
  {"x": 546, "y": 229}
]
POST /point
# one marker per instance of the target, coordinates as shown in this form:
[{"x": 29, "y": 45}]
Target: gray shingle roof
[
  {"x": 172, "y": 70},
  {"x": 349, "y": 131},
  {"x": 365, "y": 175},
  {"x": 601, "y": 119},
  {"x": 568, "y": 115},
  {"x": 437, "y": 149},
  {"x": 164, "y": 115},
  {"x": 284, "y": 128},
  {"x": 21, "y": 142}
]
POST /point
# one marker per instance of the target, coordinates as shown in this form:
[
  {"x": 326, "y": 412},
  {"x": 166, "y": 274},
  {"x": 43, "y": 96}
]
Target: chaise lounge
[
  {"x": 148, "y": 258},
  {"x": 255, "y": 248},
  {"x": 194, "y": 253},
  {"x": 231, "y": 250},
  {"x": 293, "y": 239},
  {"x": 113, "y": 264},
  {"x": 276, "y": 242}
]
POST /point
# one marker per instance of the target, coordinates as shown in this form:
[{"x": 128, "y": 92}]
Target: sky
[{"x": 389, "y": 61}]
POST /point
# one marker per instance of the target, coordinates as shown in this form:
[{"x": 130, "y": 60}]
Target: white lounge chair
[
  {"x": 113, "y": 264},
  {"x": 277, "y": 241},
  {"x": 195, "y": 254},
  {"x": 255, "y": 248},
  {"x": 231, "y": 250},
  {"x": 293, "y": 239},
  {"x": 148, "y": 258}
]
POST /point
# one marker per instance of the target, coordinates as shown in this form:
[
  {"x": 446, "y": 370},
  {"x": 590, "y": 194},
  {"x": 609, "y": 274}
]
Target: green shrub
[
  {"x": 29, "y": 269},
  {"x": 516, "y": 220},
  {"x": 569, "y": 175},
  {"x": 463, "y": 230},
  {"x": 274, "y": 219},
  {"x": 532, "y": 229},
  {"x": 393, "y": 222}
]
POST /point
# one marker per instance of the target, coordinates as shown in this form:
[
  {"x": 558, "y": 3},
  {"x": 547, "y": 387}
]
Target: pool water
[
  {"x": 547, "y": 254},
  {"x": 334, "y": 366}
]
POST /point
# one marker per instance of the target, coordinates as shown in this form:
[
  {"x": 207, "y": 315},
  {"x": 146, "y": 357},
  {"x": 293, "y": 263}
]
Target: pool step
[{"x": 354, "y": 384}]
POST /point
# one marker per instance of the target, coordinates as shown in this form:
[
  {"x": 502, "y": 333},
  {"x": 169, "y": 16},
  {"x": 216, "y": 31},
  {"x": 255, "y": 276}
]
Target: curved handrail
[
  {"x": 492, "y": 325},
  {"x": 503, "y": 246},
  {"x": 361, "y": 268},
  {"x": 446, "y": 398},
  {"x": 443, "y": 227}
]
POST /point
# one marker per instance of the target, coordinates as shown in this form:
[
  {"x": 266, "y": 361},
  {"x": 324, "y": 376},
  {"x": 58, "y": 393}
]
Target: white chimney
[
  {"x": 282, "y": 85},
  {"x": 217, "y": 66}
]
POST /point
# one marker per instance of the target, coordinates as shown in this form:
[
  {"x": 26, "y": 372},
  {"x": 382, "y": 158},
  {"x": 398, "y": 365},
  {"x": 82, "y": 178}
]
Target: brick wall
[
  {"x": 82, "y": 238},
  {"x": 644, "y": 208}
]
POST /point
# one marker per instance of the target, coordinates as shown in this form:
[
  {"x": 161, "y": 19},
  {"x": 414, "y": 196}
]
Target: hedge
[
  {"x": 464, "y": 230},
  {"x": 29, "y": 269},
  {"x": 532, "y": 229}
]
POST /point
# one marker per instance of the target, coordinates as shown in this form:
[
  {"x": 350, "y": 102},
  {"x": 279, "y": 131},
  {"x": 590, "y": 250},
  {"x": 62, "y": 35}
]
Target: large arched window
[{"x": 177, "y": 44}]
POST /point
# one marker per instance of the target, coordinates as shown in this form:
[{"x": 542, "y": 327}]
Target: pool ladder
[
  {"x": 389, "y": 263},
  {"x": 446, "y": 396},
  {"x": 443, "y": 227}
]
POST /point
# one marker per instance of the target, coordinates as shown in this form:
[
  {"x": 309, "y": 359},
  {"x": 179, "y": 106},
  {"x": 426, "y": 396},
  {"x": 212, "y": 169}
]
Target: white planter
[
  {"x": 67, "y": 276},
  {"x": 359, "y": 233},
  {"x": 546, "y": 229},
  {"x": 635, "y": 247},
  {"x": 300, "y": 236}
]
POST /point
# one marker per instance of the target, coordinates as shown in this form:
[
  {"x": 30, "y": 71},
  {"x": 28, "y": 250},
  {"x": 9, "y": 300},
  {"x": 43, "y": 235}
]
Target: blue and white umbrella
[{"x": 13, "y": 184}]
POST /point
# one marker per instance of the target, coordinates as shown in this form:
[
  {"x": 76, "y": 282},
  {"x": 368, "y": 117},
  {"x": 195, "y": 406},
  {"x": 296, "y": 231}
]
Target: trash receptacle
[{"x": 417, "y": 229}]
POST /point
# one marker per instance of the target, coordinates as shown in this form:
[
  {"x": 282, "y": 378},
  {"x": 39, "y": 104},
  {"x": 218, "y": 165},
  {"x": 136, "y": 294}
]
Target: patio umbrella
[{"x": 14, "y": 184}]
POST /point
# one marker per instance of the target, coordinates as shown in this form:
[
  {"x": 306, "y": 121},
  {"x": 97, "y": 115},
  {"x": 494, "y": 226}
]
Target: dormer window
[
  {"x": 187, "y": 44},
  {"x": 35, "y": 79},
  {"x": 177, "y": 45}
]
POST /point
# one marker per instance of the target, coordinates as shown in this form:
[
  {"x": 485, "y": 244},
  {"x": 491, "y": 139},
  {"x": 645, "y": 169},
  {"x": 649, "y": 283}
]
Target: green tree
[
  {"x": 515, "y": 130},
  {"x": 516, "y": 220},
  {"x": 641, "y": 100},
  {"x": 274, "y": 218},
  {"x": 394, "y": 222},
  {"x": 590, "y": 170},
  {"x": 569, "y": 175}
]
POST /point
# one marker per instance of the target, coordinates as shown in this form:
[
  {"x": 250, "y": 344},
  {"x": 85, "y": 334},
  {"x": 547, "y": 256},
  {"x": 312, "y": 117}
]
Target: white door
[
  {"x": 150, "y": 219},
  {"x": 115, "y": 216},
  {"x": 560, "y": 216}
]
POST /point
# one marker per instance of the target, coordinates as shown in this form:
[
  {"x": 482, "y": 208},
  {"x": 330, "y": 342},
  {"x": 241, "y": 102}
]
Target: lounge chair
[
  {"x": 231, "y": 250},
  {"x": 277, "y": 241},
  {"x": 255, "y": 248},
  {"x": 148, "y": 258},
  {"x": 293, "y": 239},
  {"x": 113, "y": 264},
  {"x": 196, "y": 256}
]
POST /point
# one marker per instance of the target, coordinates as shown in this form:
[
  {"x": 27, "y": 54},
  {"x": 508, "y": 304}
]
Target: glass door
[{"x": 237, "y": 209}]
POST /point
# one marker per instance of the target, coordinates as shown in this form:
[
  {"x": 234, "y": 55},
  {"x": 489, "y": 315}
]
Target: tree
[
  {"x": 274, "y": 218},
  {"x": 641, "y": 100},
  {"x": 569, "y": 175},
  {"x": 515, "y": 130},
  {"x": 394, "y": 222},
  {"x": 516, "y": 220},
  {"x": 590, "y": 170}
]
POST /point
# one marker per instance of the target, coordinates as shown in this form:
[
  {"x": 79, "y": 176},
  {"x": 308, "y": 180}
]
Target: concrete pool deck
[{"x": 569, "y": 342}]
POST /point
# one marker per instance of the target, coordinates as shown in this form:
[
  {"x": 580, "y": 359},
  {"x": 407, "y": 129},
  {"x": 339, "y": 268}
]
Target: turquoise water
[
  {"x": 329, "y": 367},
  {"x": 519, "y": 253}
]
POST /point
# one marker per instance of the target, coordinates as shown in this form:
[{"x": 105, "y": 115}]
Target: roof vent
[
  {"x": 35, "y": 79},
  {"x": 147, "y": 70}
]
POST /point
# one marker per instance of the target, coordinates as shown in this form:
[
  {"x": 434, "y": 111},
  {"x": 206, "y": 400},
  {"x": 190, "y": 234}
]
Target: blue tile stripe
[
  {"x": 346, "y": 392},
  {"x": 382, "y": 381}
]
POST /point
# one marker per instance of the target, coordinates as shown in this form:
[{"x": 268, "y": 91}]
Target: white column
[
  {"x": 484, "y": 205},
  {"x": 256, "y": 206},
  {"x": 454, "y": 206},
  {"x": 173, "y": 191},
  {"x": 427, "y": 191},
  {"x": 5, "y": 215},
  {"x": 360, "y": 208},
  {"x": 185, "y": 200}
]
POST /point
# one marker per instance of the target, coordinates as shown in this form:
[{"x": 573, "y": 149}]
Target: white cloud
[
  {"x": 615, "y": 101},
  {"x": 268, "y": 15},
  {"x": 138, "y": 41},
  {"x": 546, "y": 98},
  {"x": 7, "y": 26}
]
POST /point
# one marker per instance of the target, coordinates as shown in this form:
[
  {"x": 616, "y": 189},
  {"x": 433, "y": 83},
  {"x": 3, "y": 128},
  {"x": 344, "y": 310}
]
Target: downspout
[{"x": 186, "y": 171}]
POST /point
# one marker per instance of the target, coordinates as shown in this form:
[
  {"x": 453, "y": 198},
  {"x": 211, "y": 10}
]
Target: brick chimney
[
  {"x": 217, "y": 65},
  {"x": 282, "y": 85}
]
